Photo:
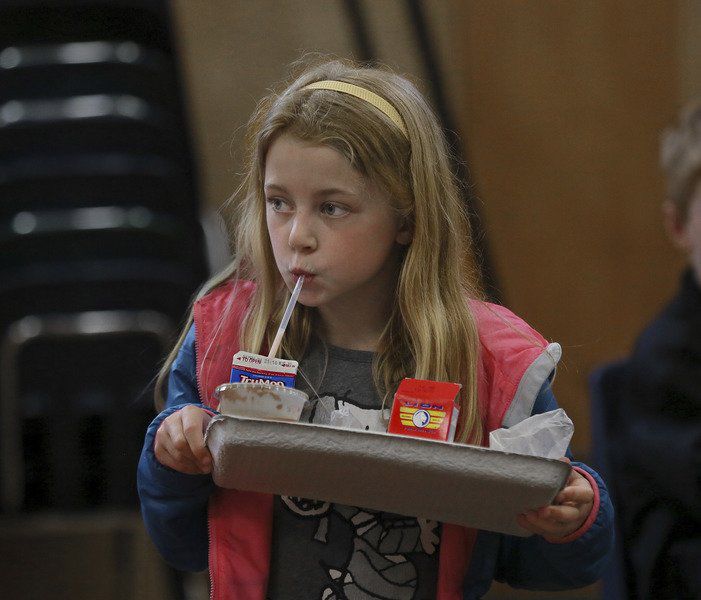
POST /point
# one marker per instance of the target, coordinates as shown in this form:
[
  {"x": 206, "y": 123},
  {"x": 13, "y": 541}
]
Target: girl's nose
[{"x": 302, "y": 237}]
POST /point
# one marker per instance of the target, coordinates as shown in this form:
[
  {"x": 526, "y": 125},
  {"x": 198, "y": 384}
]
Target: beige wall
[
  {"x": 563, "y": 107},
  {"x": 560, "y": 105}
]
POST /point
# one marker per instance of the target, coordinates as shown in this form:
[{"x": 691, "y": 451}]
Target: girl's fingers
[
  {"x": 169, "y": 450},
  {"x": 554, "y": 521},
  {"x": 551, "y": 531},
  {"x": 175, "y": 440},
  {"x": 545, "y": 527},
  {"x": 167, "y": 455},
  {"x": 577, "y": 494},
  {"x": 569, "y": 510},
  {"x": 193, "y": 426},
  {"x": 182, "y": 466},
  {"x": 562, "y": 514}
]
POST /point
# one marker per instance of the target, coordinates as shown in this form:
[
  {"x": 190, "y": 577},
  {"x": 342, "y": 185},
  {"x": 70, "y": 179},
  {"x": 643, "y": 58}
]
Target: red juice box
[{"x": 425, "y": 409}]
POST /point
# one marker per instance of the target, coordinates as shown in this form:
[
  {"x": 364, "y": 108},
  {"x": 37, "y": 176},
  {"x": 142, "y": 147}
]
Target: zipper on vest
[
  {"x": 198, "y": 367},
  {"x": 210, "y": 557}
]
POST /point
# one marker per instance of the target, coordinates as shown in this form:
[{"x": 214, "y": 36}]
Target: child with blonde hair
[{"x": 348, "y": 183}]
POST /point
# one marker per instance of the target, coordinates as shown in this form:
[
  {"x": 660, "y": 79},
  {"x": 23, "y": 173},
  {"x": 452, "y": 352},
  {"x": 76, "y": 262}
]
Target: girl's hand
[
  {"x": 179, "y": 442},
  {"x": 570, "y": 509}
]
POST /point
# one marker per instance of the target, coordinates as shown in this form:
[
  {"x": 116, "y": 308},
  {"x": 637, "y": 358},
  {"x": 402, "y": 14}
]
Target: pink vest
[{"x": 240, "y": 523}]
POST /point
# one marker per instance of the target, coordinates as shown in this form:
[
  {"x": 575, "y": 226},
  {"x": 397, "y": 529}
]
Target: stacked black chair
[{"x": 101, "y": 248}]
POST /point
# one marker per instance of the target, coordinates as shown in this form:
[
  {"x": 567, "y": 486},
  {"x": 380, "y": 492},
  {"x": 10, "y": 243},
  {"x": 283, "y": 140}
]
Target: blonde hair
[
  {"x": 431, "y": 333},
  {"x": 680, "y": 157}
]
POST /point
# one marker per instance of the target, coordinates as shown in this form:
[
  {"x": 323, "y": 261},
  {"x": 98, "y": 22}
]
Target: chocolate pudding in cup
[{"x": 260, "y": 400}]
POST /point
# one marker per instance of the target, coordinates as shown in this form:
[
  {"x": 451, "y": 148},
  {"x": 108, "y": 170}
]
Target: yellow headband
[{"x": 354, "y": 90}]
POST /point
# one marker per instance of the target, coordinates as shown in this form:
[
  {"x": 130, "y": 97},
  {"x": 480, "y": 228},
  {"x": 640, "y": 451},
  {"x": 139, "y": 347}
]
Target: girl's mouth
[
  {"x": 297, "y": 273},
  {"x": 308, "y": 277}
]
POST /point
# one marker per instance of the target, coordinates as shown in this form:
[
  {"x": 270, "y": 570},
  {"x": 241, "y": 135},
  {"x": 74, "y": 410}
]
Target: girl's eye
[
  {"x": 278, "y": 204},
  {"x": 333, "y": 210}
]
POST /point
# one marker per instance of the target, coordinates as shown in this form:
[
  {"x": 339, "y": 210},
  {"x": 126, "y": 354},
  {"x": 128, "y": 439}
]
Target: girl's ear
[
  {"x": 675, "y": 225},
  {"x": 405, "y": 233}
]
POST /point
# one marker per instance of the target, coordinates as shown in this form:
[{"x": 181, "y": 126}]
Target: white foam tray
[{"x": 451, "y": 483}]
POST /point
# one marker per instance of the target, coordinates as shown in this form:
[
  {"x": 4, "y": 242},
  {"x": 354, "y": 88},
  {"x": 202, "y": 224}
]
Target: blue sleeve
[
  {"x": 182, "y": 382},
  {"x": 174, "y": 505},
  {"x": 535, "y": 563}
]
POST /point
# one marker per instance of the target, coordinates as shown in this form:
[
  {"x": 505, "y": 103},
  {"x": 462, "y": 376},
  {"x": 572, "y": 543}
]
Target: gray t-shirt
[{"x": 328, "y": 551}]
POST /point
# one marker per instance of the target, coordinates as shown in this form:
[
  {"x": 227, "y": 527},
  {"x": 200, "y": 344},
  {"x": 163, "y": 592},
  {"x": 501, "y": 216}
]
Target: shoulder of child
[
  {"x": 240, "y": 290},
  {"x": 515, "y": 361},
  {"x": 496, "y": 323}
]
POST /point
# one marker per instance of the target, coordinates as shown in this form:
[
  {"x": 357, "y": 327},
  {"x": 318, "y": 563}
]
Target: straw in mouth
[{"x": 286, "y": 317}]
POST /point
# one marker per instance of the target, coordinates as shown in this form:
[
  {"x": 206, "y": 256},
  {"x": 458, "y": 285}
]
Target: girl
[{"x": 348, "y": 183}]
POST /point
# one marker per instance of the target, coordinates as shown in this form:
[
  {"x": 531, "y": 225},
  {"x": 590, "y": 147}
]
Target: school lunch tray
[{"x": 451, "y": 483}]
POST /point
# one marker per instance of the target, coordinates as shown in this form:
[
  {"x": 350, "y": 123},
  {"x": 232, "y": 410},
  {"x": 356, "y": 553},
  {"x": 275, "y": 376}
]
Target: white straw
[{"x": 286, "y": 317}]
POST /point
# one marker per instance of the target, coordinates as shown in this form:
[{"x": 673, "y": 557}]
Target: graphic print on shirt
[{"x": 378, "y": 565}]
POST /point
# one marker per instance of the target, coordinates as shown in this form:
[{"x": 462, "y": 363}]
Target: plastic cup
[{"x": 257, "y": 400}]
